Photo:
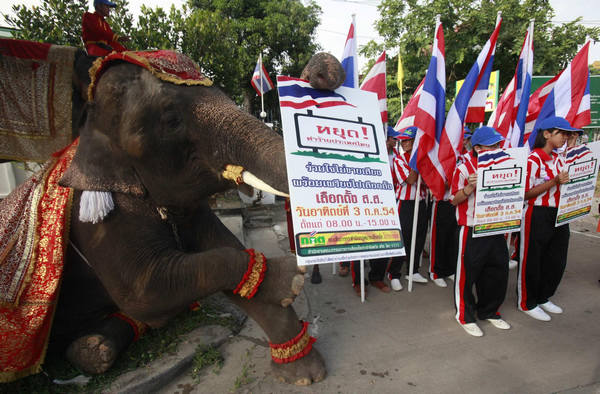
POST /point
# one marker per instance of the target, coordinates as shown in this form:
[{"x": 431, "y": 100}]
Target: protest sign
[
  {"x": 577, "y": 195},
  {"x": 501, "y": 176},
  {"x": 342, "y": 197}
]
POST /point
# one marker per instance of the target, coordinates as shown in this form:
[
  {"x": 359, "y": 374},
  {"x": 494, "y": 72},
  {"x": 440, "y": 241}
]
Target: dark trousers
[
  {"x": 543, "y": 257},
  {"x": 444, "y": 240},
  {"x": 407, "y": 208},
  {"x": 482, "y": 262},
  {"x": 376, "y": 273}
]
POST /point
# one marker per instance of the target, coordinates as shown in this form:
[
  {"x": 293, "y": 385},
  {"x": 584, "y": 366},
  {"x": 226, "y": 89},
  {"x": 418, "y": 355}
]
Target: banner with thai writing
[
  {"x": 342, "y": 197},
  {"x": 577, "y": 195},
  {"x": 501, "y": 176}
]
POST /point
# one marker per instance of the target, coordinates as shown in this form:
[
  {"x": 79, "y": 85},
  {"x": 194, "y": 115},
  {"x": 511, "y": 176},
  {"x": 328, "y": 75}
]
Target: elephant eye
[{"x": 171, "y": 119}]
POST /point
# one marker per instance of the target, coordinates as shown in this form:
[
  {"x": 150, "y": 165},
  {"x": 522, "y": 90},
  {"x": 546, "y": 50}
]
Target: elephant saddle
[{"x": 34, "y": 229}]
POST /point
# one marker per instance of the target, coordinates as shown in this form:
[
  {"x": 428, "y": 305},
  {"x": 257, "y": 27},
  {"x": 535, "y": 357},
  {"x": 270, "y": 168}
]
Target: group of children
[{"x": 482, "y": 263}]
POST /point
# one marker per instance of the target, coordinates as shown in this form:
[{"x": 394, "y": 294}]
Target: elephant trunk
[{"x": 245, "y": 141}]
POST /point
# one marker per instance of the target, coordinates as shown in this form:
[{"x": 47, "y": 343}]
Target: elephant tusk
[{"x": 250, "y": 179}]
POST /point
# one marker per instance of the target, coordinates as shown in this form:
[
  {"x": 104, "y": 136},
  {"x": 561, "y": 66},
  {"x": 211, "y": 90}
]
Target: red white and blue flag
[
  {"x": 469, "y": 105},
  {"x": 297, "y": 93},
  {"x": 260, "y": 79},
  {"x": 407, "y": 118},
  {"x": 490, "y": 158},
  {"x": 577, "y": 153},
  {"x": 429, "y": 119},
  {"x": 570, "y": 95},
  {"x": 510, "y": 114},
  {"x": 375, "y": 82},
  {"x": 350, "y": 59}
]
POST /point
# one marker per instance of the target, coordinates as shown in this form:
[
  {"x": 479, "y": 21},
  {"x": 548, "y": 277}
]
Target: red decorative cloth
[
  {"x": 170, "y": 66},
  {"x": 24, "y": 49},
  {"x": 38, "y": 249}
]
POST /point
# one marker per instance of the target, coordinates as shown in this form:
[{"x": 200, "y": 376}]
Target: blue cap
[
  {"x": 467, "y": 133},
  {"x": 391, "y": 132},
  {"x": 486, "y": 136},
  {"x": 107, "y": 2},
  {"x": 408, "y": 133},
  {"x": 556, "y": 122}
]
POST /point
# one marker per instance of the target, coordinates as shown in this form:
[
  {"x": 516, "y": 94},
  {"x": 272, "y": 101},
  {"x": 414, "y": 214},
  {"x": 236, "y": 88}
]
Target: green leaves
[{"x": 408, "y": 25}]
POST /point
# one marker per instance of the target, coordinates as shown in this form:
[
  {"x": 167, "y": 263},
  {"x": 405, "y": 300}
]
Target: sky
[{"x": 337, "y": 15}]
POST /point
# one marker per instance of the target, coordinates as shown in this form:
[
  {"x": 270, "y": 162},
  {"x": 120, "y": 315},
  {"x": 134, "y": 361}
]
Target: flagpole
[
  {"x": 263, "y": 114},
  {"x": 362, "y": 280},
  {"x": 413, "y": 239}
]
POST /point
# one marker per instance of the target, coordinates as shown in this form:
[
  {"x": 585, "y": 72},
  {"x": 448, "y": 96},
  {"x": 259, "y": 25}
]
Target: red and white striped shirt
[
  {"x": 401, "y": 171},
  {"x": 542, "y": 167},
  {"x": 465, "y": 211}
]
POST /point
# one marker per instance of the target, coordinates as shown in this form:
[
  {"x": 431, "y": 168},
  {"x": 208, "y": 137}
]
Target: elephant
[{"x": 160, "y": 150}]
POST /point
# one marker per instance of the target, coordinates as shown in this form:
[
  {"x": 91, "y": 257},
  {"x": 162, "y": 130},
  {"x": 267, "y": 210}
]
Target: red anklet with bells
[
  {"x": 253, "y": 276},
  {"x": 294, "y": 349}
]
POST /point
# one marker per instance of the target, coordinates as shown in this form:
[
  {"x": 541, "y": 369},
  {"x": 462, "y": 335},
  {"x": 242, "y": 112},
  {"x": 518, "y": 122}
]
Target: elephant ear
[{"x": 100, "y": 166}]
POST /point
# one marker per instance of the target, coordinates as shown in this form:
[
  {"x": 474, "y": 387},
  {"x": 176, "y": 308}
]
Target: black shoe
[{"x": 315, "y": 278}]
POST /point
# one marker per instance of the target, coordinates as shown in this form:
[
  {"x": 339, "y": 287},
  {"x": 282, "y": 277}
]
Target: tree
[
  {"x": 409, "y": 25},
  {"x": 226, "y": 38}
]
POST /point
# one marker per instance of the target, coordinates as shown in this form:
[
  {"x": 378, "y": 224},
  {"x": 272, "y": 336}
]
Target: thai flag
[
  {"x": 577, "y": 153},
  {"x": 350, "y": 59},
  {"x": 509, "y": 117},
  {"x": 570, "y": 95},
  {"x": 375, "y": 82},
  {"x": 429, "y": 119},
  {"x": 260, "y": 79},
  {"x": 493, "y": 157},
  {"x": 297, "y": 93},
  {"x": 536, "y": 102},
  {"x": 408, "y": 115},
  {"x": 470, "y": 95}
]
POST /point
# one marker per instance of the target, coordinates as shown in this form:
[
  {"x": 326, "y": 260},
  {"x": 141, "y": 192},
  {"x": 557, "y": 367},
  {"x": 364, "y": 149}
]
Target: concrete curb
[{"x": 161, "y": 372}]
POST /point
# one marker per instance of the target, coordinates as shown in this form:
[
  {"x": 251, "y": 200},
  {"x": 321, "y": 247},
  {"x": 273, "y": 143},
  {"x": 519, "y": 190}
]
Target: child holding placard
[
  {"x": 543, "y": 246},
  {"x": 481, "y": 260}
]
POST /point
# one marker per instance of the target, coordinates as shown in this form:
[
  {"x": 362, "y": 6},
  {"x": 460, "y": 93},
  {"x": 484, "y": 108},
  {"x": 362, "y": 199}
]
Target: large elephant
[{"x": 160, "y": 149}]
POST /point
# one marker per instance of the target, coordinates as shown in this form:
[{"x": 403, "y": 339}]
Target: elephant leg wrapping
[
  {"x": 294, "y": 349},
  {"x": 253, "y": 276}
]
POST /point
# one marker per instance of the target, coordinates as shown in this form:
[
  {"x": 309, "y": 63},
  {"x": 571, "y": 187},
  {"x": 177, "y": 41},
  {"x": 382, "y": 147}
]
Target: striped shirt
[
  {"x": 401, "y": 171},
  {"x": 465, "y": 211},
  {"x": 542, "y": 167}
]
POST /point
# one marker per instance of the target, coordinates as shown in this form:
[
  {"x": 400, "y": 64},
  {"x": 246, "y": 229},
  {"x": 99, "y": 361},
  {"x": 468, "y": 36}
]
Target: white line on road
[{"x": 586, "y": 234}]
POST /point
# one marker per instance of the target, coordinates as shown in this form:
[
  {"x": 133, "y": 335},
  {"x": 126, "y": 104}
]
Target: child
[
  {"x": 482, "y": 260},
  {"x": 543, "y": 246},
  {"x": 406, "y": 195}
]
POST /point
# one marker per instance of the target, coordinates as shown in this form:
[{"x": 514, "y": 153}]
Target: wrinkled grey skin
[{"x": 155, "y": 144}]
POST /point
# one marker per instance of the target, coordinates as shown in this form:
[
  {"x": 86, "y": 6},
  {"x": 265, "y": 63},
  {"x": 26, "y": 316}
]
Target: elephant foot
[
  {"x": 302, "y": 372},
  {"x": 92, "y": 354}
]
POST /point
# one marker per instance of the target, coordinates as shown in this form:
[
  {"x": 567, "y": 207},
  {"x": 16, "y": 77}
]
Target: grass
[
  {"x": 206, "y": 357},
  {"x": 151, "y": 346},
  {"x": 244, "y": 377}
]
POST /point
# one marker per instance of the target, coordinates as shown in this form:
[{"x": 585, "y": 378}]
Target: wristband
[
  {"x": 253, "y": 276},
  {"x": 294, "y": 349}
]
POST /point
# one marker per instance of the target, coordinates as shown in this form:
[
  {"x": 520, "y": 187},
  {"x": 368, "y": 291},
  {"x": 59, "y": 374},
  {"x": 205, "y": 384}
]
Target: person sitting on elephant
[{"x": 97, "y": 36}]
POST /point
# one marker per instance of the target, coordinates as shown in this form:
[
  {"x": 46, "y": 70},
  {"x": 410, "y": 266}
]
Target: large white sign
[
  {"x": 501, "y": 176},
  {"x": 577, "y": 195},
  {"x": 341, "y": 193}
]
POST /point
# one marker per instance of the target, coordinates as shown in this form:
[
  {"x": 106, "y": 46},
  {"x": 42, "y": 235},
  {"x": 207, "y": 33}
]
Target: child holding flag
[
  {"x": 482, "y": 260},
  {"x": 406, "y": 195},
  {"x": 544, "y": 247}
]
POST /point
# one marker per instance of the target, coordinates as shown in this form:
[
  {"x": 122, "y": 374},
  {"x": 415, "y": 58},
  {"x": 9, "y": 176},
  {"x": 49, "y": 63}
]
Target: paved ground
[{"x": 410, "y": 343}]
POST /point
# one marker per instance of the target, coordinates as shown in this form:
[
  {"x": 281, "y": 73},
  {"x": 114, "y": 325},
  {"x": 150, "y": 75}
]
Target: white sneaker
[
  {"x": 512, "y": 264},
  {"x": 472, "y": 329},
  {"x": 499, "y": 323},
  {"x": 538, "y": 313},
  {"x": 396, "y": 285},
  {"x": 440, "y": 282},
  {"x": 451, "y": 277},
  {"x": 551, "y": 307},
  {"x": 417, "y": 277}
]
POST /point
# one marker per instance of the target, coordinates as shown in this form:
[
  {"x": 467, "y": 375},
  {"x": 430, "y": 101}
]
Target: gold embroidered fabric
[{"x": 36, "y": 104}]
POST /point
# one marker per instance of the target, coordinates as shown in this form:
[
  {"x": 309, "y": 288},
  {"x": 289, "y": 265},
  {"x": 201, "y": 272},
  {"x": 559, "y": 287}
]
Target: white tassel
[{"x": 94, "y": 206}]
